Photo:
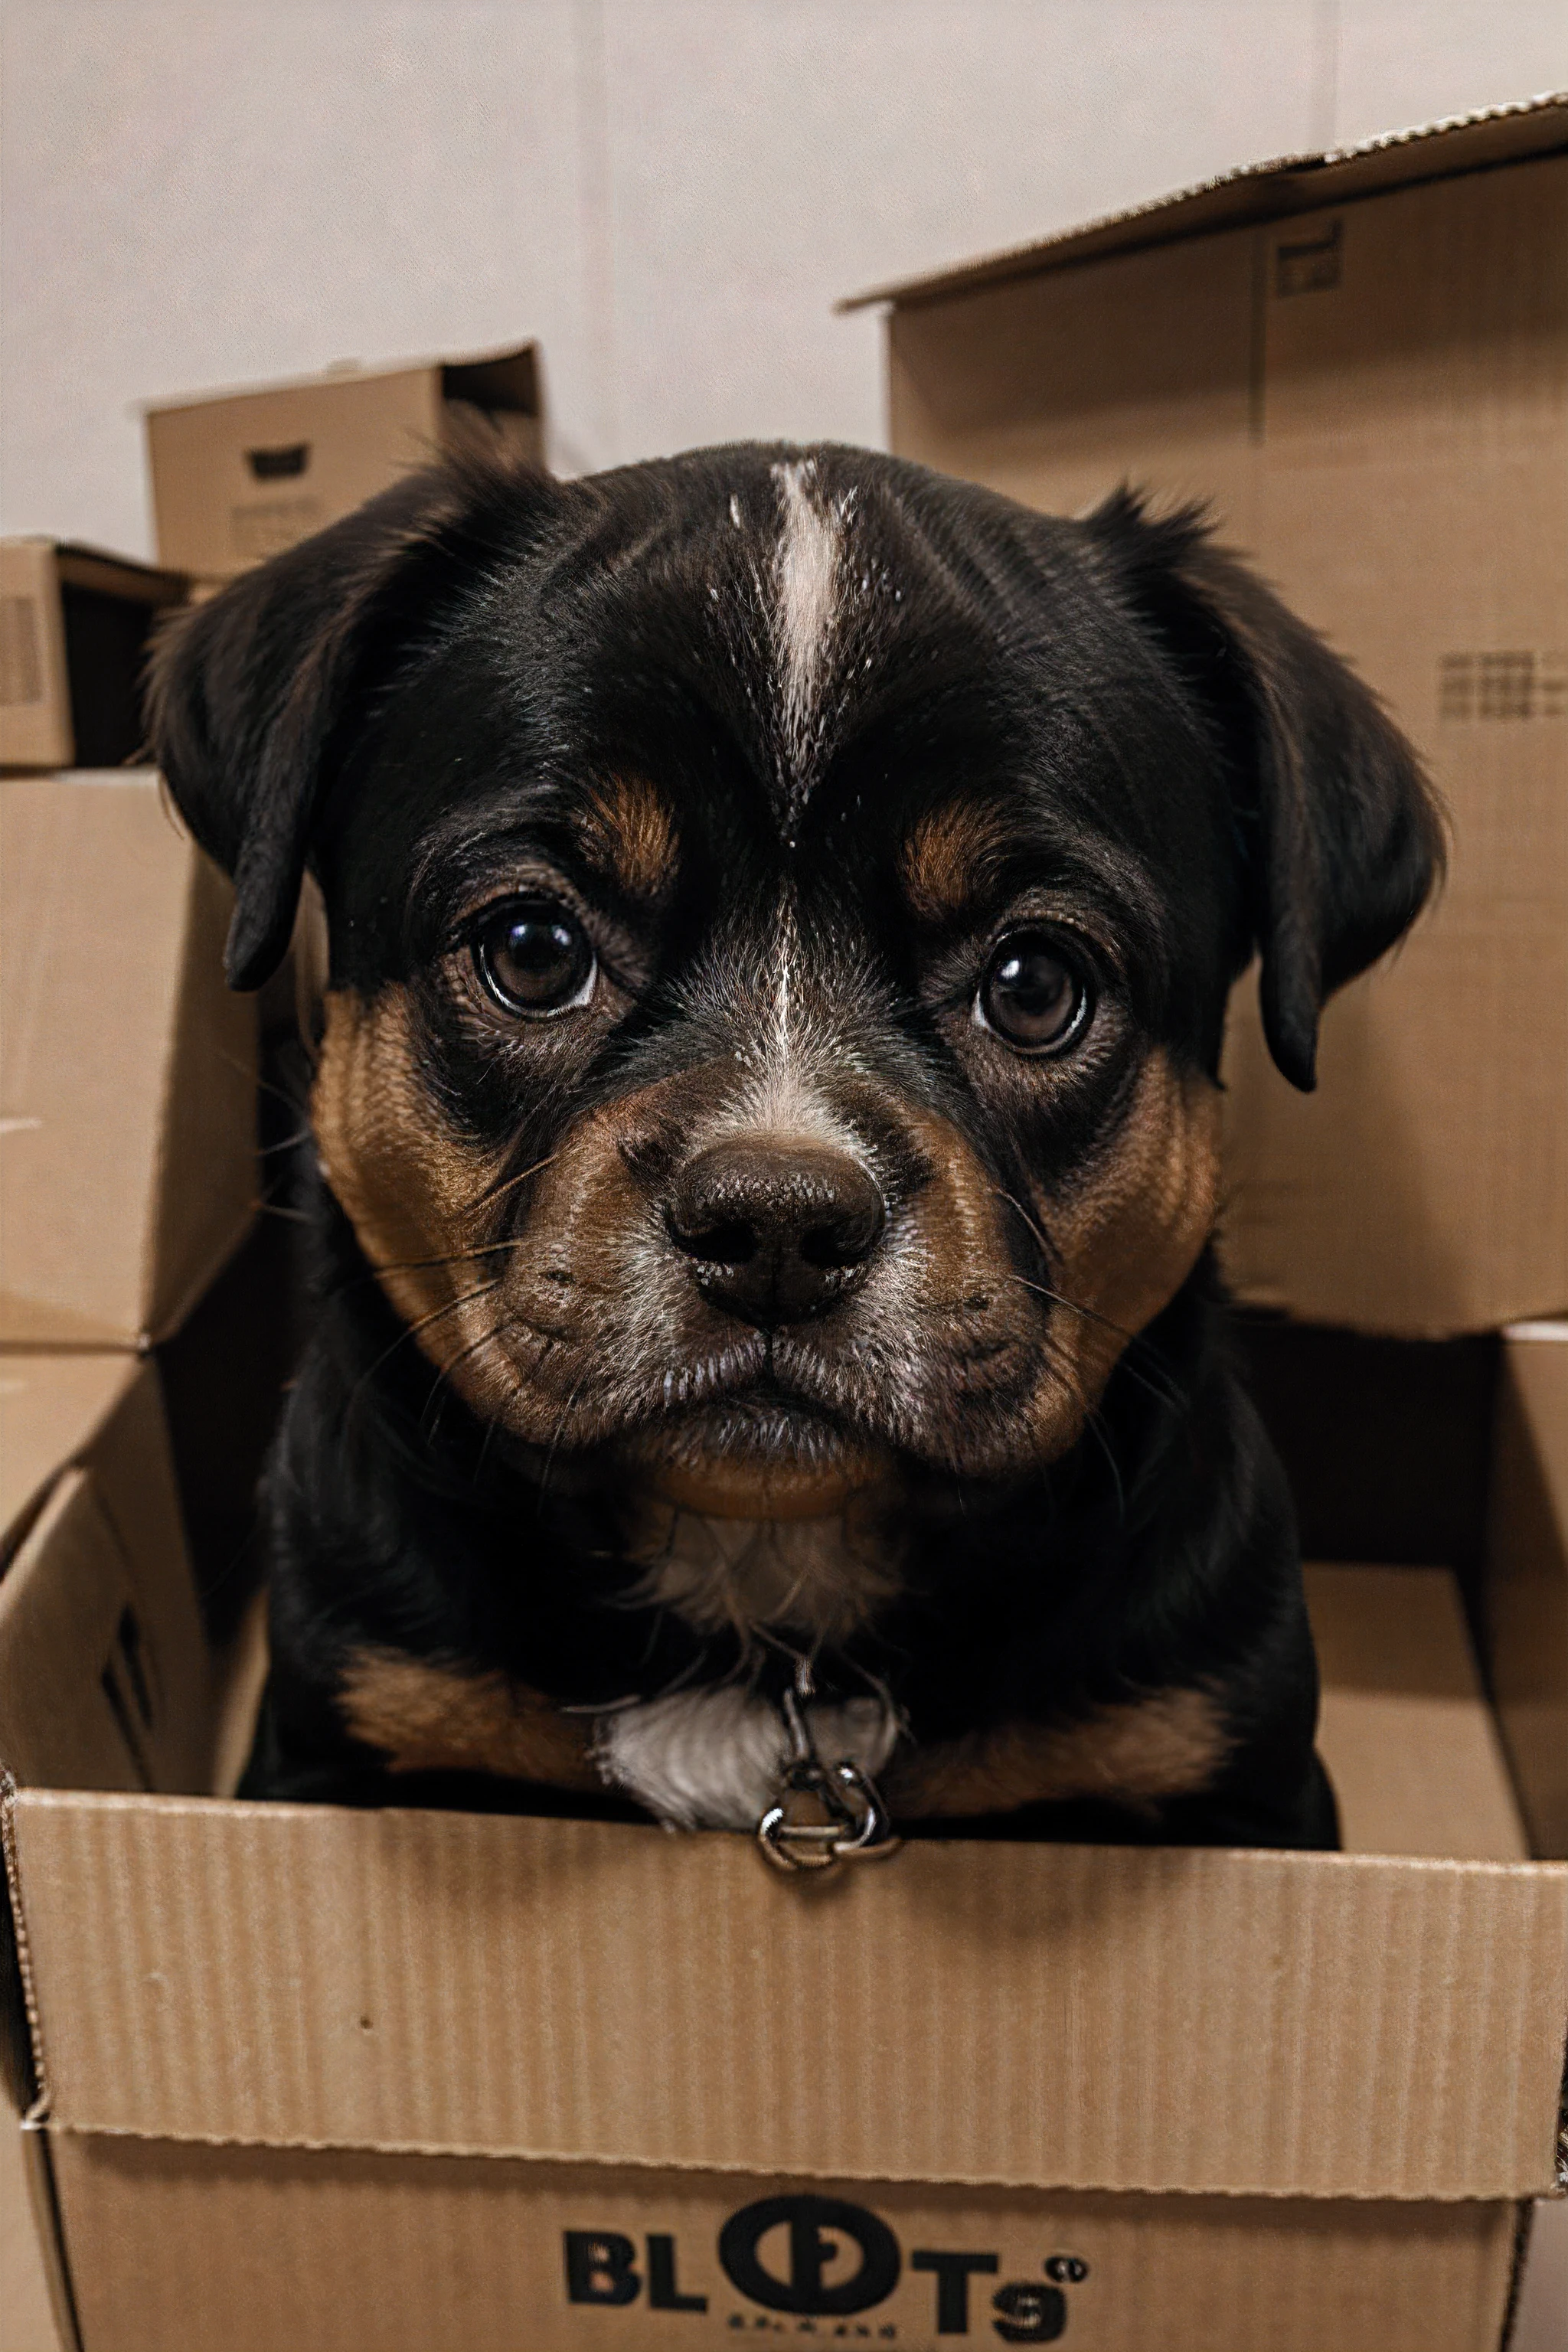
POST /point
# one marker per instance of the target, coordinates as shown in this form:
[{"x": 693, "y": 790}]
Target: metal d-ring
[{"x": 856, "y": 1825}]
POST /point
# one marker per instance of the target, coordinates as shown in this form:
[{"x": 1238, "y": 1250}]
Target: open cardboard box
[
  {"x": 241, "y": 476},
  {"x": 399, "y": 2082},
  {"x": 75, "y": 626},
  {"x": 127, "y": 1069},
  {"x": 1357, "y": 361}
]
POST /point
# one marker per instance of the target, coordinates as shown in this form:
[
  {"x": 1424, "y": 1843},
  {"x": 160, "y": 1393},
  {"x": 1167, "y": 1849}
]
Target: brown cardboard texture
[
  {"x": 1527, "y": 1584},
  {"x": 127, "y": 1069},
  {"x": 241, "y": 476},
  {"x": 398, "y": 2079},
  {"x": 1360, "y": 363},
  {"x": 74, "y": 630},
  {"x": 104, "y": 1672}
]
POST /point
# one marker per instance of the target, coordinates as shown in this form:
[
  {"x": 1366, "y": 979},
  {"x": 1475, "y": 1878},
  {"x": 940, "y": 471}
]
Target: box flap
[
  {"x": 119, "y": 575},
  {"x": 1265, "y": 191},
  {"x": 1527, "y": 1573},
  {"x": 496, "y": 379},
  {"x": 78, "y": 1691},
  {"x": 50, "y": 1409},
  {"x": 105, "y": 1677},
  {"x": 35, "y": 693},
  {"x": 127, "y": 1070},
  {"x": 1315, "y": 2024},
  {"x": 1410, "y": 1744}
]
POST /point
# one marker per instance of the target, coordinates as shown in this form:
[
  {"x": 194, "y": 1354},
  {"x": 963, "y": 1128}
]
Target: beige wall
[{"x": 669, "y": 193}]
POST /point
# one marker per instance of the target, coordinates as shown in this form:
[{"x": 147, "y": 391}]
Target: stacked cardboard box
[
  {"x": 1358, "y": 362},
  {"x": 240, "y": 477},
  {"x": 126, "y": 1182},
  {"x": 75, "y": 626}
]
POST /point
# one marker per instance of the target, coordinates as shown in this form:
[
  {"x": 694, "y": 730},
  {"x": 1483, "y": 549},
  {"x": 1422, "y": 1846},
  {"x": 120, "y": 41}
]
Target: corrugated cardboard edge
[
  {"x": 17, "y": 1962},
  {"x": 48, "y": 2230},
  {"x": 353, "y": 373},
  {"x": 1258, "y": 191},
  {"x": 486, "y": 1910}
]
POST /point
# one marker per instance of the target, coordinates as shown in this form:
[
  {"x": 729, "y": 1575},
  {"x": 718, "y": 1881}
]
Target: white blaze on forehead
[{"x": 805, "y": 599}]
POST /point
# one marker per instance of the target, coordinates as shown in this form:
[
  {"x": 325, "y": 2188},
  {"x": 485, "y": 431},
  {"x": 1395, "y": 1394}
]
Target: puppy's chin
[
  {"x": 782, "y": 1492},
  {"x": 757, "y": 1459},
  {"x": 758, "y": 1520}
]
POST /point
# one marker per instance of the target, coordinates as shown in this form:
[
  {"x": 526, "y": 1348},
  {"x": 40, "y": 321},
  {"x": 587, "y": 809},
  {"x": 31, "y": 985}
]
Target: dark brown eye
[
  {"x": 533, "y": 956},
  {"x": 1031, "y": 995}
]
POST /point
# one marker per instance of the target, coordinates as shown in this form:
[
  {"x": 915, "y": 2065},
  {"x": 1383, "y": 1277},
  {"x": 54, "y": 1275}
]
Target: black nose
[{"x": 779, "y": 1230}]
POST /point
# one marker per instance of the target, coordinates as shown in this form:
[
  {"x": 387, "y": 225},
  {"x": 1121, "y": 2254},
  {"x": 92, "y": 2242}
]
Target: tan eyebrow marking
[
  {"x": 948, "y": 856},
  {"x": 627, "y": 825}
]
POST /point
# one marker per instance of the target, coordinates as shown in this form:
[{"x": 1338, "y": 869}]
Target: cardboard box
[
  {"x": 1358, "y": 361},
  {"x": 1527, "y": 1584},
  {"x": 407, "y": 2081},
  {"x": 127, "y": 1069},
  {"x": 242, "y": 476},
  {"x": 74, "y": 630}
]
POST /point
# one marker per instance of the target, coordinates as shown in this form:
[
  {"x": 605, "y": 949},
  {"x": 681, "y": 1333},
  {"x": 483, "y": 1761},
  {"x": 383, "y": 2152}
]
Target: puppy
[{"x": 782, "y": 908}]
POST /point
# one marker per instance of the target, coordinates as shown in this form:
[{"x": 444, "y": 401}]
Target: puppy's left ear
[
  {"x": 1343, "y": 836},
  {"x": 249, "y": 695}
]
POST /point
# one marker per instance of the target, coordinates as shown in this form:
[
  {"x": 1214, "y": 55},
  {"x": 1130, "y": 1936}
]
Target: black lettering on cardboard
[
  {"x": 663, "y": 2293},
  {"x": 806, "y": 2291},
  {"x": 953, "y": 2273},
  {"x": 600, "y": 2267},
  {"x": 1030, "y": 2313}
]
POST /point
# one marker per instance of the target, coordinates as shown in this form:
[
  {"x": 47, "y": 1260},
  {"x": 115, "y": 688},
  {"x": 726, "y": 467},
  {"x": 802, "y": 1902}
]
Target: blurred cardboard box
[
  {"x": 302, "y": 2075},
  {"x": 127, "y": 1069},
  {"x": 75, "y": 626},
  {"x": 242, "y": 476},
  {"x": 1358, "y": 362},
  {"x": 1527, "y": 1584}
]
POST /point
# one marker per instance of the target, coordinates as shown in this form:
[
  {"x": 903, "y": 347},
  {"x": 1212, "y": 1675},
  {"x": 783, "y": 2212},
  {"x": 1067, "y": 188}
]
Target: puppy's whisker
[
  {"x": 442, "y": 1387},
  {"x": 412, "y": 1331},
  {"x": 504, "y": 1185},
  {"x": 1165, "y": 1391},
  {"x": 446, "y": 1257},
  {"x": 560, "y": 1431},
  {"x": 285, "y": 1142}
]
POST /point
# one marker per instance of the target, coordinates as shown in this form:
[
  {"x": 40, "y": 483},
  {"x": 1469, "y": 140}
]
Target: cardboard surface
[
  {"x": 104, "y": 1673},
  {"x": 1066, "y": 2016},
  {"x": 1374, "y": 401},
  {"x": 1267, "y": 192},
  {"x": 28, "y": 2325},
  {"x": 239, "y": 477},
  {"x": 1527, "y": 1583},
  {"x": 374, "y": 2254},
  {"x": 74, "y": 629},
  {"x": 1410, "y": 1744},
  {"x": 127, "y": 1069}
]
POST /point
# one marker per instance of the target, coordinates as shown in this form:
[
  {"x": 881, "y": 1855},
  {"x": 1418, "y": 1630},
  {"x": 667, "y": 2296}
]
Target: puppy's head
[{"x": 782, "y": 909}]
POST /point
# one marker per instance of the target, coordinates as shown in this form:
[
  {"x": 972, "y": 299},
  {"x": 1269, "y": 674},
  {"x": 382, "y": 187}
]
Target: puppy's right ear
[{"x": 249, "y": 695}]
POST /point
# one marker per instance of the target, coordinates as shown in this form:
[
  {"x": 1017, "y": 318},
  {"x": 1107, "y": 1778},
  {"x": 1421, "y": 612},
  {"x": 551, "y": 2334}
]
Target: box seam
[{"x": 760, "y": 2169}]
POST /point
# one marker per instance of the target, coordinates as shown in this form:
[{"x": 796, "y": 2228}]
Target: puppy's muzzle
[{"x": 778, "y": 1232}]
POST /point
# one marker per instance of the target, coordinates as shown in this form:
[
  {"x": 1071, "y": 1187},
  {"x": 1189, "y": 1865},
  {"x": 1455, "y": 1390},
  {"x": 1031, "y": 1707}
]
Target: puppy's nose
[{"x": 777, "y": 1230}]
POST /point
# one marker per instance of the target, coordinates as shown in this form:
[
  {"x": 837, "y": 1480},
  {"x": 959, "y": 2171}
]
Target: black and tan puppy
[{"x": 782, "y": 910}]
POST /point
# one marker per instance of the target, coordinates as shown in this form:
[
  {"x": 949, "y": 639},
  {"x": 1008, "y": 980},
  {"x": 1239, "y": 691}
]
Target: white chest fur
[{"x": 710, "y": 1759}]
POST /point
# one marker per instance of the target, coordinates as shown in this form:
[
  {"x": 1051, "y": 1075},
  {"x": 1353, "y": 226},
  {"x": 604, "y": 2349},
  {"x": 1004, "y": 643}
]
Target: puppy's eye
[
  {"x": 533, "y": 956},
  {"x": 1031, "y": 995}
]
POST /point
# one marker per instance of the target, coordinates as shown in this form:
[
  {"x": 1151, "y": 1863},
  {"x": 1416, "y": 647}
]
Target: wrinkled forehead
[{"x": 780, "y": 664}]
